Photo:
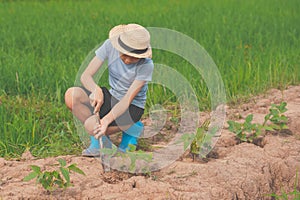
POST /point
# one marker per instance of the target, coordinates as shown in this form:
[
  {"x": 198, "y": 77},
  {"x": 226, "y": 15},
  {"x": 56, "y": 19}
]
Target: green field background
[{"x": 255, "y": 45}]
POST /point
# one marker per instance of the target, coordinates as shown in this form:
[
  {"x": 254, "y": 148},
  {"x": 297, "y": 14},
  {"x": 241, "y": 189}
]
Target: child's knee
[
  {"x": 69, "y": 98},
  {"x": 73, "y": 96}
]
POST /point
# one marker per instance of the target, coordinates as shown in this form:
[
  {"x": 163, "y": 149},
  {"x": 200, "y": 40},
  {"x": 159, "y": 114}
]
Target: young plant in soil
[
  {"x": 276, "y": 117},
  {"x": 199, "y": 140},
  {"x": 196, "y": 143},
  {"x": 137, "y": 155},
  {"x": 247, "y": 131},
  {"x": 132, "y": 154},
  {"x": 52, "y": 180}
]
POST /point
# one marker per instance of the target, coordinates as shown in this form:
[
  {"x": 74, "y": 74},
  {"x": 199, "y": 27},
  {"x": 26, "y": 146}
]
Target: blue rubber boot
[
  {"x": 94, "y": 143},
  {"x": 130, "y": 136},
  {"x": 94, "y": 148}
]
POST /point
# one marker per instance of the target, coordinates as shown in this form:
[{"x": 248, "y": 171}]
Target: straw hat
[{"x": 132, "y": 40}]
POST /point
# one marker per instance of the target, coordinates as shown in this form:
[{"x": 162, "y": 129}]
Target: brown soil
[{"x": 232, "y": 170}]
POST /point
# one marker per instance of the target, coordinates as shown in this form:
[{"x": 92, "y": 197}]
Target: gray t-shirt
[{"x": 122, "y": 75}]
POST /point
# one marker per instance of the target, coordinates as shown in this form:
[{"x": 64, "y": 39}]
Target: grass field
[{"x": 255, "y": 45}]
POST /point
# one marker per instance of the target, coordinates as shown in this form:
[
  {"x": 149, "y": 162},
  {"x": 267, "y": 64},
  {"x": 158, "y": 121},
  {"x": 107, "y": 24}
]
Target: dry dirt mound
[{"x": 238, "y": 171}]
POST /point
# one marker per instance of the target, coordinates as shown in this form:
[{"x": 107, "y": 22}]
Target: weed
[{"x": 51, "y": 180}]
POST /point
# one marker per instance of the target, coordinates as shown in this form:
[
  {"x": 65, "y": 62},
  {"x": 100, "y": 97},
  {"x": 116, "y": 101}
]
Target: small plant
[
  {"x": 276, "y": 117},
  {"x": 196, "y": 143},
  {"x": 137, "y": 155},
  {"x": 201, "y": 140},
  {"x": 132, "y": 154},
  {"x": 51, "y": 180},
  {"x": 248, "y": 131}
]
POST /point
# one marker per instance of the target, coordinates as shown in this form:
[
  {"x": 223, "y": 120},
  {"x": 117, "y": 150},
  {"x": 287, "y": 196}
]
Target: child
[{"x": 120, "y": 108}]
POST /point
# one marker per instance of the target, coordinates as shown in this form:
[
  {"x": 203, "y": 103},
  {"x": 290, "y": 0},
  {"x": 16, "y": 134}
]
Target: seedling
[
  {"x": 132, "y": 154},
  {"x": 276, "y": 117},
  {"x": 248, "y": 131},
  {"x": 136, "y": 155},
  {"x": 196, "y": 143},
  {"x": 52, "y": 180},
  {"x": 201, "y": 140}
]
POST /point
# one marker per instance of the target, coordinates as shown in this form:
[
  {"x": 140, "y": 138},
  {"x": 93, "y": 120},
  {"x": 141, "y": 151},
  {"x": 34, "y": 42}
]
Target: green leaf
[
  {"x": 132, "y": 148},
  {"x": 274, "y": 112},
  {"x": 74, "y": 168},
  {"x": 232, "y": 126},
  {"x": 65, "y": 173},
  {"x": 258, "y": 132},
  {"x": 46, "y": 180},
  {"x": 62, "y": 162},
  {"x": 268, "y": 128},
  {"x": 275, "y": 126},
  {"x": 249, "y": 127},
  {"x": 282, "y": 107},
  {"x": 230, "y": 122},
  {"x": 59, "y": 182},
  {"x": 56, "y": 175},
  {"x": 284, "y": 126},
  {"x": 283, "y": 110},
  {"x": 242, "y": 137},
  {"x": 249, "y": 118},
  {"x": 68, "y": 184},
  {"x": 36, "y": 169},
  {"x": 30, "y": 176},
  {"x": 267, "y": 117},
  {"x": 284, "y": 119},
  {"x": 186, "y": 138},
  {"x": 239, "y": 132}
]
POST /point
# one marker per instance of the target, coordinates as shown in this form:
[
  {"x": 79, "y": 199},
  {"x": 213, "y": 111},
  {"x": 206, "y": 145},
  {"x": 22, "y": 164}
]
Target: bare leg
[
  {"x": 90, "y": 123},
  {"x": 78, "y": 102}
]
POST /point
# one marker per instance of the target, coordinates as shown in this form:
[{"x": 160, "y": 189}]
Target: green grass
[
  {"x": 255, "y": 45},
  {"x": 43, "y": 127}
]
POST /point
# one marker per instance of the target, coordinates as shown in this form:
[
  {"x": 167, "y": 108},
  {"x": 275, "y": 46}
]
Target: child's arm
[
  {"x": 120, "y": 107},
  {"x": 89, "y": 83}
]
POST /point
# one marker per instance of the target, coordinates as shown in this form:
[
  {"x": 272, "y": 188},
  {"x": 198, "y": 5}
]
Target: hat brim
[{"x": 114, "y": 35}]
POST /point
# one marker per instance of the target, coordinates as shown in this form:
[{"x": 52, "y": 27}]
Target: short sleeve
[
  {"x": 145, "y": 70},
  {"x": 103, "y": 51}
]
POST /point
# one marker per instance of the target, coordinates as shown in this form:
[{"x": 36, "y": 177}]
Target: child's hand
[
  {"x": 96, "y": 99},
  {"x": 100, "y": 130}
]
